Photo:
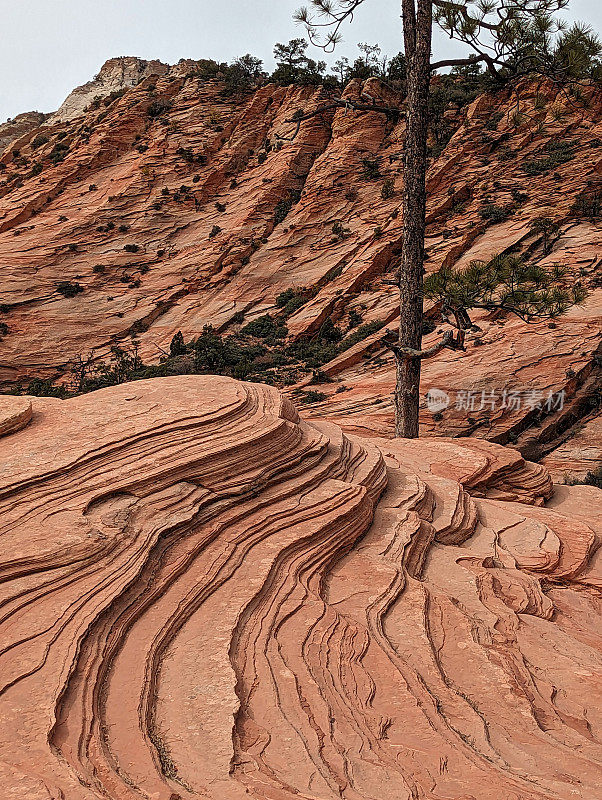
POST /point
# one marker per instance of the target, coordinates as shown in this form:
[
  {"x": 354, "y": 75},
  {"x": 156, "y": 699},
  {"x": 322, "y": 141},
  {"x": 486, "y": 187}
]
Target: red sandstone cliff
[
  {"x": 205, "y": 595},
  {"x": 188, "y": 180}
]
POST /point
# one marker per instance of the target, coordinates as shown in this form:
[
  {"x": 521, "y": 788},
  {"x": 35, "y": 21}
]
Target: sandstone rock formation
[
  {"x": 116, "y": 75},
  {"x": 205, "y": 596},
  {"x": 20, "y": 126},
  {"x": 176, "y": 205}
]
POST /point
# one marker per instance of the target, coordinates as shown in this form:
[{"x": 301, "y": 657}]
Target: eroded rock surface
[
  {"x": 205, "y": 596},
  {"x": 171, "y": 204},
  {"x": 20, "y": 126},
  {"x": 116, "y": 75}
]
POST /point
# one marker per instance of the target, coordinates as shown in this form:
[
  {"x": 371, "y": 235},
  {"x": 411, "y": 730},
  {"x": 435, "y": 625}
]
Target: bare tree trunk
[{"x": 417, "y": 23}]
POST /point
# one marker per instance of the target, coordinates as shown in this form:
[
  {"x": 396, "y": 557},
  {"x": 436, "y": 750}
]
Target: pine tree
[
  {"x": 294, "y": 66},
  {"x": 547, "y": 229},
  {"x": 511, "y": 38},
  {"x": 506, "y": 283}
]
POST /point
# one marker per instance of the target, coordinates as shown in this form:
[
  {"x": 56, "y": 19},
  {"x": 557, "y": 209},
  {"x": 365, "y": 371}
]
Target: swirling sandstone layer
[{"x": 205, "y": 596}]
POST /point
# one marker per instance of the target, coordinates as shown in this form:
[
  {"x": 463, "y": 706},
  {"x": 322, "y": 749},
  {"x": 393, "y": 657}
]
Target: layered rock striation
[
  {"x": 173, "y": 204},
  {"x": 204, "y": 595},
  {"x": 116, "y": 75},
  {"x": 20, "y": 126}
]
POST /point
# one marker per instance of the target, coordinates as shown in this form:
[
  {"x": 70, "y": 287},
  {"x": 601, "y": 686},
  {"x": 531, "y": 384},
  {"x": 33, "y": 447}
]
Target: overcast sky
[{"x": 51, "y": 46}]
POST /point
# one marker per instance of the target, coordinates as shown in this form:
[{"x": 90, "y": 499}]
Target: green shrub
[
  {"x": 224, "y": 355},
  {"x": 285, "y": 297},
  {"x": 492, "y": 213},
  {"x": 282, "y": 210},
  {"x": 588, "y": 204},
  {"x": 265, "y": 327},
  {"x": 557, "y": 153},
  {"x": 311, "y": 397},
  {"x": 593, "y": 478},
  {"x": 371, "y": 169},
  {"x": 58, "y": 152},
  {"x": 340, "y": 231},
  {"x": 329, "y": 331},
  {"x": 190, "y": 156},
  {"x": 290, "y": 301},
  {"x": 113, "y": 96},
  {"x": 158, "y": 108},
  {"x": 320, "y": 377},
  {"x": 361, "y": 333},
  {"x": 69, "y": 289},
  {"x": 518, "y": 196},
  {"x": 39, "y": 140},
  {"x": 388, "y": 189},
  {"x": 355, "y": 318},
  {"x": 45, "y": 388},
  {"x": 177, "y": 346}
]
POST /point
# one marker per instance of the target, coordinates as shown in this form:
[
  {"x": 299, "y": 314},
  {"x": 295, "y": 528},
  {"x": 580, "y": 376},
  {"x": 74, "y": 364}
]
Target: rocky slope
[
  {"x": 116, "y": 75},
  {"x": 20, "y": 126},
  {"x": 205, "y": 596},
  {"x": 173, "y": 204}
]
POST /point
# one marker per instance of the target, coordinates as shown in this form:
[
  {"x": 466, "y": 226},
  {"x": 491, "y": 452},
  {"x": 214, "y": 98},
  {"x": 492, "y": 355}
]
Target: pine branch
[
  {"x": 447, "y": 342},
  {"x": 390, "y": 111}
]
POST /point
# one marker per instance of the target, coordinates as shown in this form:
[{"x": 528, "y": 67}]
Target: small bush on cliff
[
  {"x": 39, "y": 140},
  {"x": 547, "y": 229},
  {"x": 312, "y": 396},
  {"x": 282, "y": 211},
  {"x": 588, "y": 204},
  {"x": 45, "y": 388},
  {"x": 218, "y": 355},
  {"x": 388, "y": 189},
  {"x": 593, "y": 478},
  {"x": 59, "y": 152},
  {"x": 557, "y": 152},
  {"x": 158, "y": 108},
  {"x": 283, "y": 208},
  {"x": 361, "y": 333},
  {"x": 371, "y": 169},
  {"x": 190, "y": 156},
  {"x": 109, "y": 99},
  {"x": 494, "y": 214},
  {"x": 290, "y": 300},
  {"x": 69, "y": 289},
  {"x": 340, "y": 231},
  {"x": 177, "y": 346},
  {"x": 265, "y": 327}
]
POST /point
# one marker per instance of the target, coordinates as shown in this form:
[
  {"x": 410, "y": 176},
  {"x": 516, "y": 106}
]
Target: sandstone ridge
[
  {"x": 172, "y": 204},
  {"x": 116, "y": 74},
  {"x": 204, "y": 595}
]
